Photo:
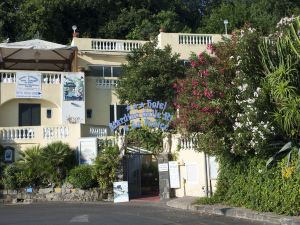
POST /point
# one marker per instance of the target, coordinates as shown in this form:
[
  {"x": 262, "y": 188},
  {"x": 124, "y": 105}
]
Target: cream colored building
[{"x": 75, "y": 93}]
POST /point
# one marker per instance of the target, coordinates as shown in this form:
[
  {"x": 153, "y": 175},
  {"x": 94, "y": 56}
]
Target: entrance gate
[{"x": 141, "y": 172}]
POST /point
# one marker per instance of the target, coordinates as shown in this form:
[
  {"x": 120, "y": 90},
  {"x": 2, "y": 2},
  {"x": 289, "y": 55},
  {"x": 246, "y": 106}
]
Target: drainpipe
[{"x": 205, "y": 174}]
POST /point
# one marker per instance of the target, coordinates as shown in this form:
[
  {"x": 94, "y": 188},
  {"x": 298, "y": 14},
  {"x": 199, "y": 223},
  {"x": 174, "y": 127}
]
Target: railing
[
  {"x": 47, "y": 77},
  {"x": 98, "y": 131},
  {"x": 188, "y": 143},
  {"x": 195, "y": 39},
  {"x": 58, "y": 132},
  {"x": 106, "y": 83},
  {"x": 18, "y": 133},
  {"x": 115, "y": 45}
]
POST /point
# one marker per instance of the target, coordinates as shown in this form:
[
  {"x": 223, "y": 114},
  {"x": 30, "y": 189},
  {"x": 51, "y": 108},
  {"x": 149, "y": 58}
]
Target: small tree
[
  {"x": 106, "y": 166},
  {"x": 152, "y": 71}
]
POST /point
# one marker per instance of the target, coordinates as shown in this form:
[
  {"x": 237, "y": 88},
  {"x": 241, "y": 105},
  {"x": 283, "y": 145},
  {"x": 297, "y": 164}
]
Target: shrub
[
  {"x": 82, "y": 177},
  {"x": 14, "y": 177},
  {"x": 35, "y": 166},
  {"x": 248, "y": 183},
  {"x": 106, "y": 166},
  {"x": 60, "y": 159}
]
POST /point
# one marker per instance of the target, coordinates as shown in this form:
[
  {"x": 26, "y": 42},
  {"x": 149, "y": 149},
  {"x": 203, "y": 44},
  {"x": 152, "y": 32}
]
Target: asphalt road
[{"x": 133, "y": 213}]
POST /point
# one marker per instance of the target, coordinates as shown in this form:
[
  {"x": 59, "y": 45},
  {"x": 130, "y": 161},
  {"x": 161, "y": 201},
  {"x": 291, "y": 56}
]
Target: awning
[{"x": 36, "y": 55}]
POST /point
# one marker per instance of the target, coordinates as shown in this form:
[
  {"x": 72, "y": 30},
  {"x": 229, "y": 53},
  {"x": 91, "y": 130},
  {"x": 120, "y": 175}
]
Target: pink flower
[
  {"x": 193, "y": 64},
  {"x": 207, "y": 93},
  {"x": 194, "y": 83},
  {"x": 205, "y": 73},
  {"x": 201, "y": 58}
]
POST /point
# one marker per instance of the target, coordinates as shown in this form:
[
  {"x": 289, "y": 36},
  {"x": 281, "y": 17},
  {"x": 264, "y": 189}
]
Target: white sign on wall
[
  {"x": 163, "y": 167},
  {"x": 73, "y": 100},
  {"x": 174, "y": 174},
  {"x": 28, "y": 84},
  {"x": 121, "y": 191},
  {"x": 87, "y": 150},
  {"x": 192, "y": 173},
  {"x": 213, "y": 164}
]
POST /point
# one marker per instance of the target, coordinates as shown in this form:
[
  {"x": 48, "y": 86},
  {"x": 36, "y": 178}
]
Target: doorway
[
  {"x": 29, "y": 114},
  {"x": 141, "y": 172}
]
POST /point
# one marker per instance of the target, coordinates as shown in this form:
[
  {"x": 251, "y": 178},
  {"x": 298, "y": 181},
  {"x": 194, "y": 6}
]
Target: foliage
[
  {"x": 262, "y": 14},
  {"x": 106, "y": 166},
  {"x": 14, "y": 177},
  {"x": 82, "y": 177},
  {"x": 199, "y": 96},
  {"x": 149, "y": 139},
  {"x": 53, "y": 20},
  {"x": 34, "y": 166},
  {"x": 40, "y": 167},
  {"x": 272, "y": 190},
  {"x": 152, "y": 70},
  {"x": 281, "y": 65},
  {"x": 61, "y": 158}
]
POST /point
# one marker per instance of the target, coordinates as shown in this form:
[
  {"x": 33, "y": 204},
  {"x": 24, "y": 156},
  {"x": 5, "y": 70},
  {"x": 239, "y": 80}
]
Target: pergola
[{"x": 37, "y": 55}]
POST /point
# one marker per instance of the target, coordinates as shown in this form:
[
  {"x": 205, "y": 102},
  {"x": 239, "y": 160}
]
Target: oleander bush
[{"x": 82, "y": 177}]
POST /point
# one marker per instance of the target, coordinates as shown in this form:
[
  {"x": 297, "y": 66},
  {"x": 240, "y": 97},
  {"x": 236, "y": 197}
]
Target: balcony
[
  {"x": 42, "y": 135},
  {"x": 106, "y": 45},
  {"x": 185, "y": 44}
]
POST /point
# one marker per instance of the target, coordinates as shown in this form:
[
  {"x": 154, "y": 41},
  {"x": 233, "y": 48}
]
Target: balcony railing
[
  {"x": 194, "y": 39},
  {"x": 106, "y": 83},
  {"x": 40, "y": 134},
  {"x": 115, "y": 45},
  {"x": 47, "y": 77}
]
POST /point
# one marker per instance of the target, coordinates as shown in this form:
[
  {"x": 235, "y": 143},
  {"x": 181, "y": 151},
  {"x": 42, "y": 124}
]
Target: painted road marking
[{"x": 80, "y": 219}]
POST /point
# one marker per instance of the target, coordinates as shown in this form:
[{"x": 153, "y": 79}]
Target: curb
[{"x": 266, "y": 218}]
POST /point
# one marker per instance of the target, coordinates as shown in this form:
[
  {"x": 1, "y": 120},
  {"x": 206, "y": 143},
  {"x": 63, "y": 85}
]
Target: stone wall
[{"x": 64, "y": 193}]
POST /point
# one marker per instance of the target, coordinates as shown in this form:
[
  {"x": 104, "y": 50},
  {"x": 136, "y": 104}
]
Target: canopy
[{"x": 36, "y": 55}]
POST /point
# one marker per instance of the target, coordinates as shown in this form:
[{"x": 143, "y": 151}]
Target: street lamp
[{"x": 225, "y": 23}]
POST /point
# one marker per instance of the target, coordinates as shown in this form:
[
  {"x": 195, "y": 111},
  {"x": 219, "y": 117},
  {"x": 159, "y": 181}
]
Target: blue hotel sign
[{"x": 150, "y": 114}]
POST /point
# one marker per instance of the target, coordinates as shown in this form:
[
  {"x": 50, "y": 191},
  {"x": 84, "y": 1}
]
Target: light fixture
[
  {"x": 225, "y": 23},
  {"x": 74, "y": 28}
]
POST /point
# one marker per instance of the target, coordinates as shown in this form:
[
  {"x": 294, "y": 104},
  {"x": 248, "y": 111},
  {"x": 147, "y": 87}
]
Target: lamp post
[{"x": 225, "y": 23}]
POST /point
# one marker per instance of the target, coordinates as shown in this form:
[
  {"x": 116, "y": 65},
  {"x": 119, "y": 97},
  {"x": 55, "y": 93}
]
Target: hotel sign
[
  {"x": 150, "y": 114},
  {"x": 28, "y": 85}
]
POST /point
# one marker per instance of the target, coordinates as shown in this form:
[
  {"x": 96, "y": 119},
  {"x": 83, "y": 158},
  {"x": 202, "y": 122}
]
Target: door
[{"x": 29, "y": 114}]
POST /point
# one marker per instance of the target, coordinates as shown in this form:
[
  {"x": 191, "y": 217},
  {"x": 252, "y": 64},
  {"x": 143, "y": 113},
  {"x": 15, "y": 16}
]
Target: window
[
  {"x": 29, "y": 114},
  {"x": 49, "y": 113},
  {"x": 89, "y": 113},
  {"x": 104, "y": 71},
  {"x": 121, "y": 111},
  {"x": 117, "y": 71}
]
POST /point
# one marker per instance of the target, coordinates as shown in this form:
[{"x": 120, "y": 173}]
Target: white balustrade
[
  {"x": 106, "y": 83},
  {"x": 115, "y": 45},
  {"x": 47, "y": 77},
  {"x": 59, "y": 132},
  {"x": 187, "y": 143},
  {"x": 51, "y": 78},
  {"x": 98, "y": 132},
  {"x": 194, "y": 39},
  {"x": 8, "y": 77},
  {"x": 17, "y": 133}
]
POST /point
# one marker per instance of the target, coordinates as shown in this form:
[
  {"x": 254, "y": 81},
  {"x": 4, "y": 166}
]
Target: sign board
[
  {"x": 213, "y": 165},
  {"x": 73, "y": 101},
  {"x": 150, "y": 114},
  {"x": 174, "y": 174},
  {"x": 121, "y": 191},
  {"x": 87, "y": 150},
  {"x": 192, "y": 173},
  {"x": 8, "y": 154},
  {"x": 163, "y": 167},
  {"x": 28, "y": 84}
]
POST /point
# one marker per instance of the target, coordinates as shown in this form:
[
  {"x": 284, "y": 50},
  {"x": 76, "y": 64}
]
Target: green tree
[{"x": 152, "y": 72}]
